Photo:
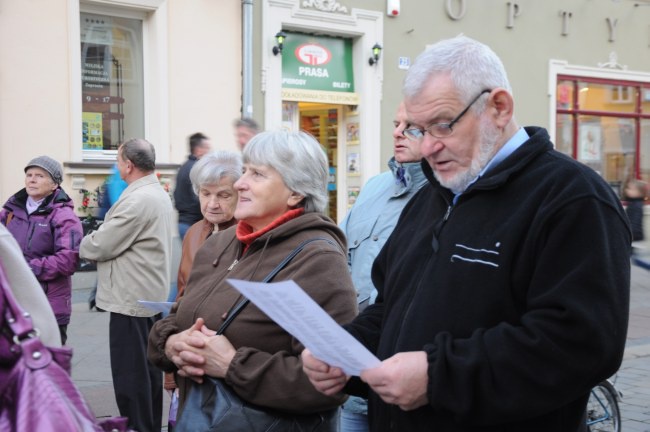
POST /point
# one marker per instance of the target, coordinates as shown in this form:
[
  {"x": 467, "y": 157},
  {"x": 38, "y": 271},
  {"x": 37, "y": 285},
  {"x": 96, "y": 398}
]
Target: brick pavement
[
  {"x": 91, "y": 367},
  {"x": 633, "y": 378}
]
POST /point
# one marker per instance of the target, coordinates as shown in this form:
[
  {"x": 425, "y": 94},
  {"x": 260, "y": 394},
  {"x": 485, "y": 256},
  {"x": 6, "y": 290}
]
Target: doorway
[{"x": 322, "y": 121}]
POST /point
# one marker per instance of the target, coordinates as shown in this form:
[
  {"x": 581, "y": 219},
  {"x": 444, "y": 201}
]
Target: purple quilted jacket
[{"x": 49, "y": 239}]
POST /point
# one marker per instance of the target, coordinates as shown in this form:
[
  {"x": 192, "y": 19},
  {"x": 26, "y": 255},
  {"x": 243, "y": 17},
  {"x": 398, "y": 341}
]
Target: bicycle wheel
[{"x": 603, "y": 414}]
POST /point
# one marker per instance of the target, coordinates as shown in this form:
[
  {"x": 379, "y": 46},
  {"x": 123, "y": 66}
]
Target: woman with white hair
[
  {"x": 282, "y": 194},
  {"x": 213, "y": 178}
]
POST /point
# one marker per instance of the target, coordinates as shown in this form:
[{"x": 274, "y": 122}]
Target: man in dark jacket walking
[
  {"x": 503, "y": 291},
  {"x": 185, "y": 200}
]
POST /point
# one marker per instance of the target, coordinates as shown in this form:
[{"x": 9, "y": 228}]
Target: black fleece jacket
[{"x": 518, "y": 293}]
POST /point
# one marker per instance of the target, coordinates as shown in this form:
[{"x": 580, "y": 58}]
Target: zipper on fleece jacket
[{"x": 435, "y": 243}]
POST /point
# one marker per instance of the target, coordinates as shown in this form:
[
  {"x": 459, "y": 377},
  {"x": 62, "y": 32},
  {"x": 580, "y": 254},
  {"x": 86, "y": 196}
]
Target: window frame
[
  {"x": 154, "y": 16},
  {"x": 562, "y": 71}
]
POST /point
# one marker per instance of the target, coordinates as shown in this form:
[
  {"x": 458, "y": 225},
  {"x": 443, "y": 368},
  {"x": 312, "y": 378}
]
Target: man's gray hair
[
  {"x": 300, "y": 160},
  {"x": 471, "y": 65},
  {"x": 140, "y": 152},
  {"x": 213, "y": 167},
  {"x": 248, "y": 123}
]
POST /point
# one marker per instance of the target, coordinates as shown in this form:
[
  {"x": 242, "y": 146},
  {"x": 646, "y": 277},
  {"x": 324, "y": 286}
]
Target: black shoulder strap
[{"x": 242, "y": 304}]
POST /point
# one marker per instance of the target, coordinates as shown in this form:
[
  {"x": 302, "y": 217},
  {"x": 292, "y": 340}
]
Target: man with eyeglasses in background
[
  {"x": 503, "y": 291},
  {"x": 368, "y": 225}
]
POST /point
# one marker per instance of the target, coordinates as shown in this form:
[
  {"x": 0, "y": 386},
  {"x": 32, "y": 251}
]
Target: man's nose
[{"x": 430, "y": 145}]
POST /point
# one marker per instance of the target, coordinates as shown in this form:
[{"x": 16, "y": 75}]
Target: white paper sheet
[
  {"x": 163, "y": 307},
  {"x": 289, "y": 306}
]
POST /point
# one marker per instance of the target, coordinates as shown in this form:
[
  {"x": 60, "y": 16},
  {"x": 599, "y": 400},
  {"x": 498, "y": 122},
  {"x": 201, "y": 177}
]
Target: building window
[
  {"x": 111, "y": 81},
  {"x": 605, "y": 124}
]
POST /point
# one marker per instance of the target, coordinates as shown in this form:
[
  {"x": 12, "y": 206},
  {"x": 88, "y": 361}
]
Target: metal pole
[{"x": 247, "y": 60}]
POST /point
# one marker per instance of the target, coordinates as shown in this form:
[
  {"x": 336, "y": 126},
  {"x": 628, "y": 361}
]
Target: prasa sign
[
  {"x": 313, "y": 55},
  {"x": 317, "y": 63}
]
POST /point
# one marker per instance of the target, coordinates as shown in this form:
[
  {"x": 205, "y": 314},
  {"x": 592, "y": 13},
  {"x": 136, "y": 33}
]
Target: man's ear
[
  {"x": 502, "y": 106},
  {"x": 129, "y": 166}
]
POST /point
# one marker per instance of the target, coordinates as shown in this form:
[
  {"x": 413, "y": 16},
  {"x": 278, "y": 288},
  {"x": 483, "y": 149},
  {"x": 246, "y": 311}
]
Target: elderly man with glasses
[{"x": 503, "y": 291}]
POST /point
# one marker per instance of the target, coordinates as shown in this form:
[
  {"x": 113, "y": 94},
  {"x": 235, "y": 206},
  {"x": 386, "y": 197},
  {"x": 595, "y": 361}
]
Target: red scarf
[{"x": 246, "y": 235}]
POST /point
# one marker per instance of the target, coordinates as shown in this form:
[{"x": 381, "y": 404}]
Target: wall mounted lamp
[
  {"x": 279, "y": 38},
  {"x": 376, "y": 50}
]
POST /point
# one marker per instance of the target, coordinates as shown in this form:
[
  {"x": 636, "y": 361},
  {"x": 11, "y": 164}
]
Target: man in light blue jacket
[{"x": 368, "y": 225}]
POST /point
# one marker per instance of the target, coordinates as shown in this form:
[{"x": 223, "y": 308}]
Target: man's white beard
[{"x": 489, "y": 135}]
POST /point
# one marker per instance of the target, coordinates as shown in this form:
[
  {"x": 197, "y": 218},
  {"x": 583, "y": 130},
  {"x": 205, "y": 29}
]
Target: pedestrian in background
[
  {"x": 41, "y": 217},
  {"x": 111, "y": 191},
  {"x": 245, "y": 129},
  {"x": 503, "y": 292},
  {"x": 368, "y": 225},
  {"x": 133, "y": 252},
  {"x": 634, "y": 193},
  {"x": 185, "y": 200},
  {"x": 213, "y": 179}
]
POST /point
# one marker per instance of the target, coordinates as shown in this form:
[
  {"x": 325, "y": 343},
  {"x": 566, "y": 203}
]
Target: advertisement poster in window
[
  {"x": 331, "y": 179},
  {"x": 353, "y": 193},
  {"x": 590, "y": 144},
  {"x": 352, "y": 133},
  {"x": 353, "y": 164},
  {"x": 92, "y": 131}
]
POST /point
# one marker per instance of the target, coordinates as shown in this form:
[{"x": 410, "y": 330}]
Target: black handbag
[{"x": 214, "y": 406}]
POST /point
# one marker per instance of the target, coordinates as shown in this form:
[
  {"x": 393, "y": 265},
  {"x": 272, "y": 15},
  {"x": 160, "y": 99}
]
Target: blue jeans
[
  {"x": 182, "y": 229},
  {"x": 353, "y": 422}
]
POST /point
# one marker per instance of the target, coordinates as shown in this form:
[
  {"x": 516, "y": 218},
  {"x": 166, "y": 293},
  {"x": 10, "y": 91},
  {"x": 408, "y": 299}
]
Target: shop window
[
  {"x": 606, "y": 144},
  {"x": 322, "y": 123},
  {"x": 111, "y": 81},
  {"x": 564, "y": 138},
  {"x": 644, "y": 160},
  {"x": 605, "y": 97},
  {"x": 621, "y": 95},
  {"x": 565, "y": 95},
  {"x": 645, "y": 100},
  {"x": 601, "y": 124}
]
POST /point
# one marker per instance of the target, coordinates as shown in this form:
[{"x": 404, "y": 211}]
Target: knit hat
[{"x": 48, "y": 164}]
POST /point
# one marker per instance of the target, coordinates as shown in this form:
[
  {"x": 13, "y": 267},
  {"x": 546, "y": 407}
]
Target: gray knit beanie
[{"x": 48, "y": 164}]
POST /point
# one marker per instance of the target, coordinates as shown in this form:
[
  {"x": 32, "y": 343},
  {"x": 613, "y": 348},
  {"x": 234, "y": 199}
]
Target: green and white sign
[{"x": 317, "y": 69}]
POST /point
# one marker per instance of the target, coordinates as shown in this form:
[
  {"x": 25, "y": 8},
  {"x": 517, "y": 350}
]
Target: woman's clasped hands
[{"x": 199, "y": 351}]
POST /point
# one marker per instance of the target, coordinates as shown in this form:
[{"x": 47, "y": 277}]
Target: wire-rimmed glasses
[{"x": 439, "y": 130}]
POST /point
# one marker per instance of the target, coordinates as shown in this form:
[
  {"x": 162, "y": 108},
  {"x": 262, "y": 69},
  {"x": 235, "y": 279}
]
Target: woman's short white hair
[
  {"x": 214, "y": 166},
  {"x": 300, "y": 160},
  {"x": 471, "y": 65}
]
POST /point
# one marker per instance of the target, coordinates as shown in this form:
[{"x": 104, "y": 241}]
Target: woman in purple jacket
[{"x": 41, "y": 217}]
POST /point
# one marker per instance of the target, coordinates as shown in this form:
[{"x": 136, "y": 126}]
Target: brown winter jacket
[
  {"x": 195, "y": 236},
  {"x": 266, "y": 369}
]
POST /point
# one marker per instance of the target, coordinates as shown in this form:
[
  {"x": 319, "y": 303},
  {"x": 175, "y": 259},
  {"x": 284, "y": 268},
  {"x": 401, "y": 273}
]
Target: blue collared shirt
[{"x": 516, "y": 141}]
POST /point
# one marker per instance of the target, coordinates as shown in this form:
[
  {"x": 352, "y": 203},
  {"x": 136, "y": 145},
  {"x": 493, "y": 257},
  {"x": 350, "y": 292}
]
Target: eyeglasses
[{"x": 440, "y": 130}]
